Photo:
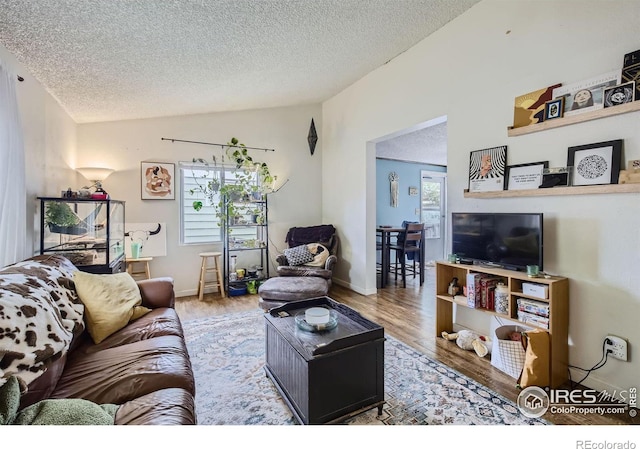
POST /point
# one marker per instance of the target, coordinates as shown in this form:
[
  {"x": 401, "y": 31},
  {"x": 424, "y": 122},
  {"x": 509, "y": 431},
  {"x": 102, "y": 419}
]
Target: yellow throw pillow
[{"x": 110, "y": 300}]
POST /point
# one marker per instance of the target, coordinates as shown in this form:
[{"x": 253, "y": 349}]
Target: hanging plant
[{"x": 253, "y": 180}]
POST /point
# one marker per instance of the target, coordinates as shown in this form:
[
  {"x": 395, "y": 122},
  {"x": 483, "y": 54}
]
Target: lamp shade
[{"x": 95, "y": 173}]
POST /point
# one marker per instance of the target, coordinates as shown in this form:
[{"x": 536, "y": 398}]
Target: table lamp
[{"x": 96, "y": 175}]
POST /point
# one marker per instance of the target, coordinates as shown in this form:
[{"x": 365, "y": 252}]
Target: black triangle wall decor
[{"x": 312, "y": 137}]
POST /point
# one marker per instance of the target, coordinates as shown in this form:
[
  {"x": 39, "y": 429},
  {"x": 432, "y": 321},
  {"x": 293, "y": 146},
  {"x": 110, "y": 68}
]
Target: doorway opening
[{"x": 417, "y": 159}]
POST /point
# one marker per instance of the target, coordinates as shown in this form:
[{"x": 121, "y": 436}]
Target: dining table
[{"x": 386, "y": 232}]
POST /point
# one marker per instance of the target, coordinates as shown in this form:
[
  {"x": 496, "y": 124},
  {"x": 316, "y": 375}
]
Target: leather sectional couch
[{"x": 144, "y": 367}]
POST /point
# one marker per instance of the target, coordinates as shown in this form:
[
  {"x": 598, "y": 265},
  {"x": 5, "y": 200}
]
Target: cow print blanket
[{"x": 40, "y": 313}]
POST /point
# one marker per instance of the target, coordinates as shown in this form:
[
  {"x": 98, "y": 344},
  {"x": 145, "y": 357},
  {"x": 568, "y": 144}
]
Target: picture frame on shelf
[
  {"x": 595, "y": 163},
  {"x": 632, "y": 73},
  {"x": 556, "y": 177},
  {"x": 554, "y": 109},
  {"x": 529, "y": 108},
  {"x": 525, "y": 176},
  {"x": 157, "y": 181},
  {"x": 620, "y": 94},
  {"x": 631, "y": 59},
  {"x": 487, "y": 169},
  {"x": 587, "y": 95}
]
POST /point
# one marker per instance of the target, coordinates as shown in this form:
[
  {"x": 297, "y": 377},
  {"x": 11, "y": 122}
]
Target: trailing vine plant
[{"x": 234, "y": 199}]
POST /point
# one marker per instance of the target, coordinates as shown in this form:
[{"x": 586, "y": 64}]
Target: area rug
[{"x": 228, "y": 351}]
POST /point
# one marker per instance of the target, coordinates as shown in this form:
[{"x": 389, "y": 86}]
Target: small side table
[{"x": 140, "y": 271}]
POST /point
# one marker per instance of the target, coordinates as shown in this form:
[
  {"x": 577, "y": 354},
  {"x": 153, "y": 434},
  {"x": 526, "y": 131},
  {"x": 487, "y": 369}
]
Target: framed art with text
[
  {"x": 487, "y": 169},
  {"x": 595, "y": 163},
  {"x": 525, "y": 176},
  {"x": 157, "y": 181}
]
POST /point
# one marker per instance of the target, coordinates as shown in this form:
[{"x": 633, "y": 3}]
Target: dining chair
[{"x": 410, "y": 246}]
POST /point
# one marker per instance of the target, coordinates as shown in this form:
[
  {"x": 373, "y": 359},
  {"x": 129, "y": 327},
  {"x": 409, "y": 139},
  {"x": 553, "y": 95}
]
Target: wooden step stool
[
  {"x": 214, "y": 268},
  {"x": 142, "y": 272}
]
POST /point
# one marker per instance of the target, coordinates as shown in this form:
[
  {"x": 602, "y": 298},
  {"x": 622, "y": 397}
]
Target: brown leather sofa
[{"x": 144, "y": 367}]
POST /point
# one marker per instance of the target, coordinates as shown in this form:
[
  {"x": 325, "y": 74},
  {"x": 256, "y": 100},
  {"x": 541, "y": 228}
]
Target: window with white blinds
[
  {"x": 201, "y": 227},
  {"x": 198, "y": 227}
]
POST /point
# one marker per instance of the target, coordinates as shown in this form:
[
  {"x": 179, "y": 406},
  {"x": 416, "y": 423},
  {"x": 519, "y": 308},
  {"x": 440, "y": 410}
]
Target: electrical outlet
[{"x": 616, "y": 347}]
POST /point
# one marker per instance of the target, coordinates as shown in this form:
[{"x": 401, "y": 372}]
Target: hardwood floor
[{"x": 407, "y": 314}]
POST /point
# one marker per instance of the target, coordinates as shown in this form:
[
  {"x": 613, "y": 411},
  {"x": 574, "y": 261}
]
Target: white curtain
[{"x": 13, "y": 196}]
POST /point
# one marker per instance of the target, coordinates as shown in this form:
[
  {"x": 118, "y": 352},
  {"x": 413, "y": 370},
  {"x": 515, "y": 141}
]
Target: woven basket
[{"x": 512, "y": 353}]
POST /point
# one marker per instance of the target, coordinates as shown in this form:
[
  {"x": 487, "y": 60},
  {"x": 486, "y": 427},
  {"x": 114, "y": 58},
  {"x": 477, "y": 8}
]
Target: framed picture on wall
[
  {"x": 595, "y": 163},
  {"x": 487, "y": 169},
  {"x": 157, "y": 180}
]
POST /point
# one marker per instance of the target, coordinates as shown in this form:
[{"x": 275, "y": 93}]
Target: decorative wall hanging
[
  {"x": 393, "y": 184},
  {"x": 157, "y": 179},
  {"x": 312, "y": 137},
  {"x": 487, "y": 169},
  {"x": 152, "y": 238}
]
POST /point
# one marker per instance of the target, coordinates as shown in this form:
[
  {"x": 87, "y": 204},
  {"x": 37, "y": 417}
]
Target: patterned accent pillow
[{"x": 298, "y": 255}]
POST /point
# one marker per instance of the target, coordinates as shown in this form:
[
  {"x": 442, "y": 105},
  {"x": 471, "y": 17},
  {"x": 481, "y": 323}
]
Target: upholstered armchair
[
  {"x": 321, "y": 241},
  {"x": 305, "y": 267}
]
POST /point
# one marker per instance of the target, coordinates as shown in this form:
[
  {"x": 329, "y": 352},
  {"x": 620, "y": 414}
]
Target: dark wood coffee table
[{"x": 325, "y": 376}]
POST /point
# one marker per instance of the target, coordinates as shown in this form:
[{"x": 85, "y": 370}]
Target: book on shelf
[
  {"x": 532, "y": 318},
  {"x": 481, "y": 290},
  {"x": 532, "y": 306},
  {"x": 487, "y": 290}
]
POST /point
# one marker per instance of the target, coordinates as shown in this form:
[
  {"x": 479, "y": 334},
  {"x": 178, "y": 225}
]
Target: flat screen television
[{"x": 507, "y": 240}]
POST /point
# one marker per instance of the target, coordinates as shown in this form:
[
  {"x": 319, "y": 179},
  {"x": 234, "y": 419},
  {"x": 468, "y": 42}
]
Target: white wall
[
  {"x": 49, "y": 143},
  {"x": 471, "y": 71},
  {"x": 122, "y": 145}
]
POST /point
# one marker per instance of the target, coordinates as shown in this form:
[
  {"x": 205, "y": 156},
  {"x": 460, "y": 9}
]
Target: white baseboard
[
  {"x": 354, "y": 288},
  {"x": 598, "y": 385},
  {"x": 190, "y": 292}
]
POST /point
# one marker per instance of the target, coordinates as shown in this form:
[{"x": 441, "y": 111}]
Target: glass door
[{"x": 433, "y": 212}]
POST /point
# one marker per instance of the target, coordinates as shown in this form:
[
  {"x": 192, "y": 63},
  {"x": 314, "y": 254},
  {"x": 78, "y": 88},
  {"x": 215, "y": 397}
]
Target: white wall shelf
[
  {"x": 564, "y": 121},
  {"x": 557, "y": 191}
]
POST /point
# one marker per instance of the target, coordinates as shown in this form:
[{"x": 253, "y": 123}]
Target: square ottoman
[{"x": 282, "y": 289}]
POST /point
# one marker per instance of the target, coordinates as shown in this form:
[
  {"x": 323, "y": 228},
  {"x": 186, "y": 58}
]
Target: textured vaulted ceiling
[{"x": 124, "y": 59}]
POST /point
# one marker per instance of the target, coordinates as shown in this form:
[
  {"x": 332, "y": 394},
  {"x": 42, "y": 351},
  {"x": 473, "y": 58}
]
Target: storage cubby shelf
[
  {"x": 564, "y": 121},
  {"x": 558, "y": 300}
]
